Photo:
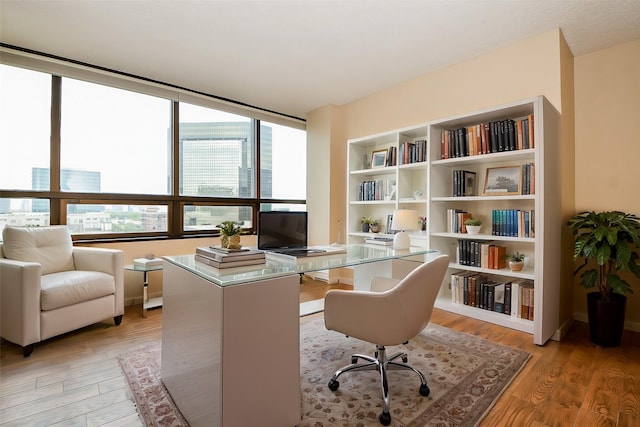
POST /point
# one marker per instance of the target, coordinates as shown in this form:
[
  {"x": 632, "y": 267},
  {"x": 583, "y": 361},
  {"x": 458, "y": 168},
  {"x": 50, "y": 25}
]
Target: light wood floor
[{"x": 75, "y": 379}]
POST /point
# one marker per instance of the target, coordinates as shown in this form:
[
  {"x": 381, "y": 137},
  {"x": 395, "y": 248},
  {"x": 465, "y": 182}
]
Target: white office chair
[{"x": 392, "y": 313}]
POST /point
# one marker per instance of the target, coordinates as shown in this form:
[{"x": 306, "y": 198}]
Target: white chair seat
[{"x": 73, "y": 287}]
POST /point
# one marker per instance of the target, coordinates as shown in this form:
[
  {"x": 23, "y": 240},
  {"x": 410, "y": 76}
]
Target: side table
[{"x": 146, "y": 302}]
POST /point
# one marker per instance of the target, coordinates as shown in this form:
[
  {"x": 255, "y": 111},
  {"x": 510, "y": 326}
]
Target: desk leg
[{"x": 145, "y": 294}]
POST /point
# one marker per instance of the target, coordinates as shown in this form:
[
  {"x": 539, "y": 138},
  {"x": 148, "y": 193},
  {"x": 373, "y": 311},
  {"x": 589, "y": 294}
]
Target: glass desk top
[{"x": 277, "y": 266}]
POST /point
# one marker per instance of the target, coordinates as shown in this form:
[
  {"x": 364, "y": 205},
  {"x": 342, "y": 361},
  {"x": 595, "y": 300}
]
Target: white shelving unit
[
  {"x": 434, "y": 178},
  {"x": 401, "y": 181}
]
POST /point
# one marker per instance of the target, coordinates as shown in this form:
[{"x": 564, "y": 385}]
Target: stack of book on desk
[
  {"x": 384, "y": 241},
  {"x": 225, "y": 258},
  {"x": 147, "y": 262}
]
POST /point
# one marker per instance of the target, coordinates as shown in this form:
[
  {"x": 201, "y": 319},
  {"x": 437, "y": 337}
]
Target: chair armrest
[
  {"x": 110, "y": 261},
  {"x": 20, "y": 301},
  {"x": 376, "y": 317}
]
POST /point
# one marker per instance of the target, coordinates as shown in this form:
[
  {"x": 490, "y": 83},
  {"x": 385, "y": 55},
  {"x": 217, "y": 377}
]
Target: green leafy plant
[
  {"x": 229, "y": 228},
  {"x": 472, "y": 221},
  {"x": 365, "y": 220},
  {"x": 374, "y": 222},
  {"x": 515, "y": 257},
  {"x": 610, "y": 240}
]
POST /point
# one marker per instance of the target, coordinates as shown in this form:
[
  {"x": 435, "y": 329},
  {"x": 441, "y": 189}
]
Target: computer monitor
[{"x": 282, "y": 230}]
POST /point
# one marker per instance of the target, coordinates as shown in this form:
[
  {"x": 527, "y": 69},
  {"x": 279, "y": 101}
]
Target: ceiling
[{"x": 293, "y": 56}]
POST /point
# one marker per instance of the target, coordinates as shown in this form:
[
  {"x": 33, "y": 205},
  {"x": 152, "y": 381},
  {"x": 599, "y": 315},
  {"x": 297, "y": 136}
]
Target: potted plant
[
  {"x": 516, "y": 261},
  {"x": 608, "y": 243},
  {"x": 374, "y": 226},
  {"x": 230, "y": 231},
  {"x": 365, "y": 221},
  {"x": 472, "y": 225}
]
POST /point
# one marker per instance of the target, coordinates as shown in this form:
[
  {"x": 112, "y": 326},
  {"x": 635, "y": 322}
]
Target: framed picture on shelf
[
  {"x": 379, "y": 159},
  {"x": 506, "y": 180}
]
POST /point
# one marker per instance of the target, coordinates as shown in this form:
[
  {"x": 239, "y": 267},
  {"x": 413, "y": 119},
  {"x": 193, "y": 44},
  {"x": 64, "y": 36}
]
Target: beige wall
[
  {"x": 522, "y": 70},
  {"x": 607, "y": 98},
  {"x": 541, "y": 65}
]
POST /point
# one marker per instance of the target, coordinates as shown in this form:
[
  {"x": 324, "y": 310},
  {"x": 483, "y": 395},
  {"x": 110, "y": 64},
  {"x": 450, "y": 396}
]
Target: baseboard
[
  {"x": 562, "y": 330},
  {"x": 630, "y": 326}
]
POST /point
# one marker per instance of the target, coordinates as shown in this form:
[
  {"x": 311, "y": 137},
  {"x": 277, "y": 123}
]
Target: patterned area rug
[{"x": 466, "y": 374}]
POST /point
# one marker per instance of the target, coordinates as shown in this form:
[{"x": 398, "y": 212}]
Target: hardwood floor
[{"x": 75, "y": 379}]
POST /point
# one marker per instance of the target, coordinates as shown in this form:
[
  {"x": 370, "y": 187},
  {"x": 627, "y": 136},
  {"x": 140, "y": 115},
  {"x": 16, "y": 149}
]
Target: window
[
  {"x": 114, "y": 141},
  {"x": 216, "y": 153},
  {"x": 124, "y": 171},
  {"x": 283, "y": 162},
  {"x": 206, "y": 218},
  {"x": 25, "y": 126},
  {"x": 88, "y": 218}
]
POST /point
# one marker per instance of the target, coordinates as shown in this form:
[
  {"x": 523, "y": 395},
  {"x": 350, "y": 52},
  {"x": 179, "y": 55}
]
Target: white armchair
[
  {"x": 392, "y": 313},
  {"x": 49, "y": 287}
]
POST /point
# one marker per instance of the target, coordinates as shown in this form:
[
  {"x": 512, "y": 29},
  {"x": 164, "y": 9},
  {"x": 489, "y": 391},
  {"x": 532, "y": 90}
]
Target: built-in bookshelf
[
  {"x": 387, "y": 171},
  {"x": 510, "y": 183}
]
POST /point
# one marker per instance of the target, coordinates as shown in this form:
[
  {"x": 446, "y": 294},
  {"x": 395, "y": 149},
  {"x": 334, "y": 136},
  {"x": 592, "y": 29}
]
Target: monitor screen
[{"x": 279, "y": 229}]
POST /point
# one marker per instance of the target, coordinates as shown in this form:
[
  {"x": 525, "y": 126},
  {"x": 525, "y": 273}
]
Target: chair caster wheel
[
  {"x": 385, "y": 418},
  {"x": 333, "y": 385},
  {"x": 424, "y": 390},
  {"x": 354, "y": 360},
  {"x": 405, "y": 359}
]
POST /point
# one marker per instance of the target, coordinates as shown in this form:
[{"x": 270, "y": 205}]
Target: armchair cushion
[
  {"x": 73, "y": 287},
  {"x": 51, "y": 247}
]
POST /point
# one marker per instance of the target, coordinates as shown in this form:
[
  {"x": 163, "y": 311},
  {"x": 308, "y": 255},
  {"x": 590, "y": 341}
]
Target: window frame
[{"x": 175, "y": 203}]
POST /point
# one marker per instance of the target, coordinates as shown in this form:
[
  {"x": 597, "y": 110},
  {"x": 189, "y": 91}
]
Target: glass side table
[{"x": 146, "y": 302}]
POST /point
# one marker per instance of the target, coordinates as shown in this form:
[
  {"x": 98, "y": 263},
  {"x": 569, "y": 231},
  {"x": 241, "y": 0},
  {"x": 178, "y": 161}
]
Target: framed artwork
[
  {"x": 379, "y": 159},
  {"x": 501, "y": 181}
]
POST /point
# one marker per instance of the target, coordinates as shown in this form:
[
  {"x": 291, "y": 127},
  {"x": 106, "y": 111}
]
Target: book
[
  {"x": 222, "y": 255},
  {"x": 229, "y": 264},
  {"x": 147, "y": 262},
  {"x": 384, "y": 241}
]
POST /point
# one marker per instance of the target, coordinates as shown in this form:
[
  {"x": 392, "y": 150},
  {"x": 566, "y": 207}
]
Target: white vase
[{"x": 473, "y": 229}]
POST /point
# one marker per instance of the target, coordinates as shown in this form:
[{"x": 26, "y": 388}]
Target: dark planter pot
[
  {"x": 365, "y": 228},
  {"x": 606, "y": 319}
]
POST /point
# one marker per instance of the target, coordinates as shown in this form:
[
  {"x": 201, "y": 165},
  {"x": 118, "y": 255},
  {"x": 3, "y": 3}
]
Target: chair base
[{"x": 381, "y": 364}]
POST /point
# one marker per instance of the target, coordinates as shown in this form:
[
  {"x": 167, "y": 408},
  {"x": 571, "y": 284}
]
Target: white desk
[{"x": 231, "y": 338}]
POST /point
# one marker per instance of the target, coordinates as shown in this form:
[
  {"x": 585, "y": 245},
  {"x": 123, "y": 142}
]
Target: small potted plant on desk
[
  {"x": 472, "y": 225},
  {"x": 608, "y": 243},
  {"x": 230, "y": 232},
  {"x": 374, "y": 226},
  {"x": 365, "y": 221},
  {"x": 516, "y": 261}
]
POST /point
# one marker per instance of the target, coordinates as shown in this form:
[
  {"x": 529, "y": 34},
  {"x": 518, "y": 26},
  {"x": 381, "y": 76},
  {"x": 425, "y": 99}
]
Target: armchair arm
[
  {"x": 20, "y": 301},
  {"x": 110, "y": 261},
  {"x": 376, "y": 317}
]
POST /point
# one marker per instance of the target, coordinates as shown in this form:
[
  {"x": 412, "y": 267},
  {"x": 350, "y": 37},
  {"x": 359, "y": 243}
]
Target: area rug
[{"x": 466, "y": 375}]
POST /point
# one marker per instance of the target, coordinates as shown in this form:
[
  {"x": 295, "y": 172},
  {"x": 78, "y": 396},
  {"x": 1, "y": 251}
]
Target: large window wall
[{"x": 117, "y": 163}]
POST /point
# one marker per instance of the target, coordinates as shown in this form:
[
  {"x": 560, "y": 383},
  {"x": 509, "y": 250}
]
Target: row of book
[
  {"x": 219, "y": 257},
  {"x": 514, "y": 298},
  {"x": 456, "y": 219},
  {"x": 380, "y": 189},
  {"x": 513, "y": 223},
  {"x": 528, "y": 178},
  {"x": 413, "y": 152},
  {"x": 482, "y": 254},
  {"x": 489, "y": 137},
  {"x": 464, "y": 183}
]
